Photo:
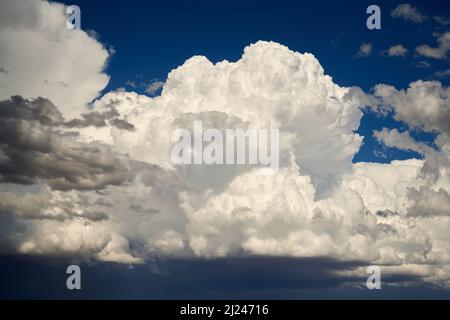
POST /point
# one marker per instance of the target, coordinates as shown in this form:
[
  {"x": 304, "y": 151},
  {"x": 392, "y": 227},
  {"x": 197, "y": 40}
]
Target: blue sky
[{"x": 150, "y": 38}]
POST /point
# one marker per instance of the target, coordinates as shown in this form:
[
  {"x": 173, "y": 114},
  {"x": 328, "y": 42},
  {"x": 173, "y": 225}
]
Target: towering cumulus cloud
[
  {"x": 100, "y": 184},
  {"x": 41, "y": 57}
]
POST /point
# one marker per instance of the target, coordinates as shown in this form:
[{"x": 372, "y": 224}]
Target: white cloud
[
  {"x": 442, "y": 73},
  {"x": 172, "y": 211},
  {"x": 294, "y": 91},
  {"x": 443, "y": 21},
  {"x": 33, "y": 36},
  {"x": 131, "y": 84},
  {"x": 396, "y": 51},
  {"x": 407, "y": 12},
  {"x": 318, "y": 204},
  {"x": 424, "y": 105},
  {"x": 422, "y": 64},
  {"x": 365, "y": 50},
  {"x": 401, "y": 140},
  {"x": 153, "y": 87},
  {"x": 439, "y": 52}
]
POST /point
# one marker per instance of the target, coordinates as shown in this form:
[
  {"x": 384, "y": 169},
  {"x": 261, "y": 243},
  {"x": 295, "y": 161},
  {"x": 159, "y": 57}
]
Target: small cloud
[
  {"x": 396, "y": 51},
  {"x": 380, "y": 154},
  {"x": 436, "y": 34},
  {"x": 422, "y": 65},
  {"x": 407, "y": 12},
  {"x": 439, "y": 52},
  {"x": 365, "y": 50},
  {"x": 153, "y": 87},
  {"x": 111, "y": 51},
  {"x": 443, "y": 21},
  {"x": 93, "y": 34},
  {"x": 442, "y": 73},
  {"x": 131, "y": 84}
]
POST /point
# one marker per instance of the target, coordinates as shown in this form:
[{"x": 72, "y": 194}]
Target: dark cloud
[
  {"x": 100, "y": 119},
  {"x": 225, "y": 278},
  {"x": 103, "y": 203},
  {"x": 266, "y": 272},
  {"x": 40, "y": 110},
  {"x": 429, "y": 203},
  {"x": 95, "y": 119},
  {"x": 140, "y": 209},
  {"x": 122, "y": 124},
  {"x": 33, "y": 148}
]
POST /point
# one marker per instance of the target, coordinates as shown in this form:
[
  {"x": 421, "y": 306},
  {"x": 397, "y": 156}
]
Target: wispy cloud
[
  {"x": 422, "y": 64},
  {"x": 131, "y": 84},
  {"x": 407, "y": 12},
  {"x": 153, "y": 87},
  {"x": 442, "y": 73},
  {"x": 443, "y": 21}
]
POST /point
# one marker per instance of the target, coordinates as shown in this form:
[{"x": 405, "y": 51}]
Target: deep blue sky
[
  {"x": 153, "y": 37},
  {"x": 150, "y": 38}
]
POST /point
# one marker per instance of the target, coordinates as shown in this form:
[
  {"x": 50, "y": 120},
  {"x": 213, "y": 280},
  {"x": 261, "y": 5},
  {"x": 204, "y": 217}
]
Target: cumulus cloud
[
  {"x": 33, "y": 148},
  {"x": 422, "y": 64},
  {"x": 106, "y": 189},
  {"x": 33, "y": 35},
  {"x": 295, "y": 90},
  {"x": 165, "y": 210},
  {"x": 365, "y": 50},
  {"x": 424, "y": 105},
  {"x": 407, "y": 12},
  {"x": 401, "y": 140},
  {"x": 439, "y": 52},
  {"x": 317, "y": 204},
  {"x": 396, "y": 51}
]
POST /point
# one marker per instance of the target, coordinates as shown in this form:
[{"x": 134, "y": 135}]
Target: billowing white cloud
[
  {"x": 317, "y": 204},
  {"x": 134, "y": 203},
  {"x": 41, "y": 57}
]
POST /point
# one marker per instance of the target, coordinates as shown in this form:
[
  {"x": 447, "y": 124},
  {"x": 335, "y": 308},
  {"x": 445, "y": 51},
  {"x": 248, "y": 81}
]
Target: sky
[{"x": 86, "y": 175}]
